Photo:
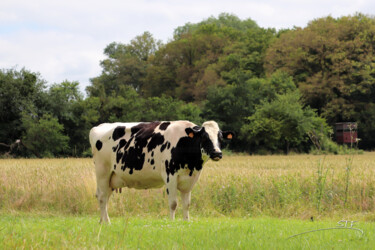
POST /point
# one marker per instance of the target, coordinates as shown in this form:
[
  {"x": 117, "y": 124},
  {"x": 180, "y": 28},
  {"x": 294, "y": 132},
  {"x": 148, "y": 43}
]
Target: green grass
[
  {"x": 241, "y": 202},
  {"x": 72, "y": 232}
]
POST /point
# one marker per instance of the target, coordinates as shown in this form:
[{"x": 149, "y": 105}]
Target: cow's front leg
[
  {"x": 172, "y": 194},
  {"x": 186, "y": 198}
]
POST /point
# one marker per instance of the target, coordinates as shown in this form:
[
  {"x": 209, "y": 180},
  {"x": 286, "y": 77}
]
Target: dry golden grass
[
  {"x": 283, "y": 186},
  {"x": 47, "y": 184}
]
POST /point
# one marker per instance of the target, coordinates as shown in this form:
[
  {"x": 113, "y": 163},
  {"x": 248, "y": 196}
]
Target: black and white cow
[{"x": 151, "y": 155}]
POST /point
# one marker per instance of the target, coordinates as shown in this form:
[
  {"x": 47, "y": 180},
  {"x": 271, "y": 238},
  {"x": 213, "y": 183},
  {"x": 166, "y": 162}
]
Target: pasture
[
  {"x": 238, "y": 199},
  {"x": 72, "y": 232}
]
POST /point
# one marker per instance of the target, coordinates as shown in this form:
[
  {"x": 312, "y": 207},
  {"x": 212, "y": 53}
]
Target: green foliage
[
  {"x": 123, "y": 105},
  {"x": 86, "y": 114},
  {"x": 64, "y": 100},
  {"x": 280, "y": 123},
  {"x": 323, "y": 144},
  {"x": 225, "y": 23},
  {"x": 44, "y": 137},
  {"x": 243, "y": 59},
  {"x": 233, "y": 104},
  {"x": 214, "y": 52},
  {"x": 166, "y": 108},
  {"x": 125, "y": 66},
  {"x": 20, "y": 91},
  {"x": 332, "y": 62},
  {"x": 225, "y": 69}
]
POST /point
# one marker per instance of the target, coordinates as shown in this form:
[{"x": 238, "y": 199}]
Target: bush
[{"x": 44, "y": 137}]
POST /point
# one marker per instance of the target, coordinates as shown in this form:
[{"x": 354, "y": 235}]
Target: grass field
[
  {"x": 72, "y": 232},
  {"x": 239, "y": 202}
]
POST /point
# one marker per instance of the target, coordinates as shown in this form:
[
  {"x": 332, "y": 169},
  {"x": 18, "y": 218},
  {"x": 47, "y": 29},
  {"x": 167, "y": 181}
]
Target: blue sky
[{"x": 64, "y": 40}]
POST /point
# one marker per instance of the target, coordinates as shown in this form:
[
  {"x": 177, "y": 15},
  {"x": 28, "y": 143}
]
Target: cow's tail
[{"x": 92, "y": 140}]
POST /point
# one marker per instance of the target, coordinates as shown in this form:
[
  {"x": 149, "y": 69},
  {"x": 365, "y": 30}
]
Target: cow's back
[{"x": 136, "y": 153}]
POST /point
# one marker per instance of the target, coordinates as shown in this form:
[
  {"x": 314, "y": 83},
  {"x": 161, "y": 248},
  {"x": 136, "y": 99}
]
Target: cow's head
[{"x": 210, "y": 137}]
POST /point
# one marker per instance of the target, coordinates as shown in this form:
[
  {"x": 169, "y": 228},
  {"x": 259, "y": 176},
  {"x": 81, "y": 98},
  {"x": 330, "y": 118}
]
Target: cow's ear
[
  {"x": 228, "y": 135},
  {"x": 192, "y": 132}
]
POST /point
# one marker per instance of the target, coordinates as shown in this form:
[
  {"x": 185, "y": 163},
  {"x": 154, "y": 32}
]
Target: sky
[{"x": 64, "y": 40}]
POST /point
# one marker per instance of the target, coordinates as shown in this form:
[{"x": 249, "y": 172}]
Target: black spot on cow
[
  {"x": 99, "y": 145},
  {"x": 154, "y": 168},
  {"x": 152, "y": 154},
  {"x": 114, "y": 167},
  {"x": 114, "y": 149},
  {"x": 167, "y": 191},
  {"x": 118, "y": 132},
  {"x": 119, "y": 155},
  {"x": 187, "y": 154},
  {"x": 166, "y": 167},
  {"x": 163, "y": 147},
  {"x": 156, "y": 140},
  {"x": 128, "y": 143},
  {"x": 143, "y": 135},
  {"x": 135, "y": 129},
  {"x": 152, "y": 162},
  {"x": 122, "y": 143},
  {"x": 119, "y": 152},
  {"x": 133, "y": 160},
  {"x": 164, "y": 125}
]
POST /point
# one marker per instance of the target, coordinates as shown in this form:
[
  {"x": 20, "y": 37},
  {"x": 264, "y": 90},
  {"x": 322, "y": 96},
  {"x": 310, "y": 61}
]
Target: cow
[{"x": 153, "y": 154}]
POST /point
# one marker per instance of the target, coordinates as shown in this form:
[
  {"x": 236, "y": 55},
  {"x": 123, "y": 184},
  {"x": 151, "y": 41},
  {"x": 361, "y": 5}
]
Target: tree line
[{"x": 278, "y": 90}]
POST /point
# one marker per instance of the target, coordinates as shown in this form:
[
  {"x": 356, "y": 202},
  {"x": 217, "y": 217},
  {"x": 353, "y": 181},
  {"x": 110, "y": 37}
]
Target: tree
[
  {"x": 20, "y": 91},
  {"x": 333, "y": 64},
  {"x": 165, "y": 108},
  {"x": 280, "y": 123},
  {"x": 86, "y": 114},
  {"x": 214, "y": 52},
  {"x": 144, "y": 46},
  {"x": 44, "y": 137},
  {"x": 126, "y": 106},
  {"x": 232, "y": 104},
  {"x": 225, "y": 23},
  {"x": 126, "y": 65},
  {"x": 244, "y": 58},
  {"x": 178, "y": 67},
  {"x": 62, "y": 97}
]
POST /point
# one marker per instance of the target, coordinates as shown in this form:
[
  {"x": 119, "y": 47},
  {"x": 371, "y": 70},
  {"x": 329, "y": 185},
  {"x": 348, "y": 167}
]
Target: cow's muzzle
[{"x": 216, "y": 156}]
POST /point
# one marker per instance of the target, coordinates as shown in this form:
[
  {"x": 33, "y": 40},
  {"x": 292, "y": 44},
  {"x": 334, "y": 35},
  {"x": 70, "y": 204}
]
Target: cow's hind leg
[
  {"x": 186, "y": 198},
  {"x": 172, "y": 195},
  {"x": 103, "y": 193}
]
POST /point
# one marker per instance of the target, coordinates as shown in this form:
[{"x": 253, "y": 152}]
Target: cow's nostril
[{"x": 216, "y": 156}]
